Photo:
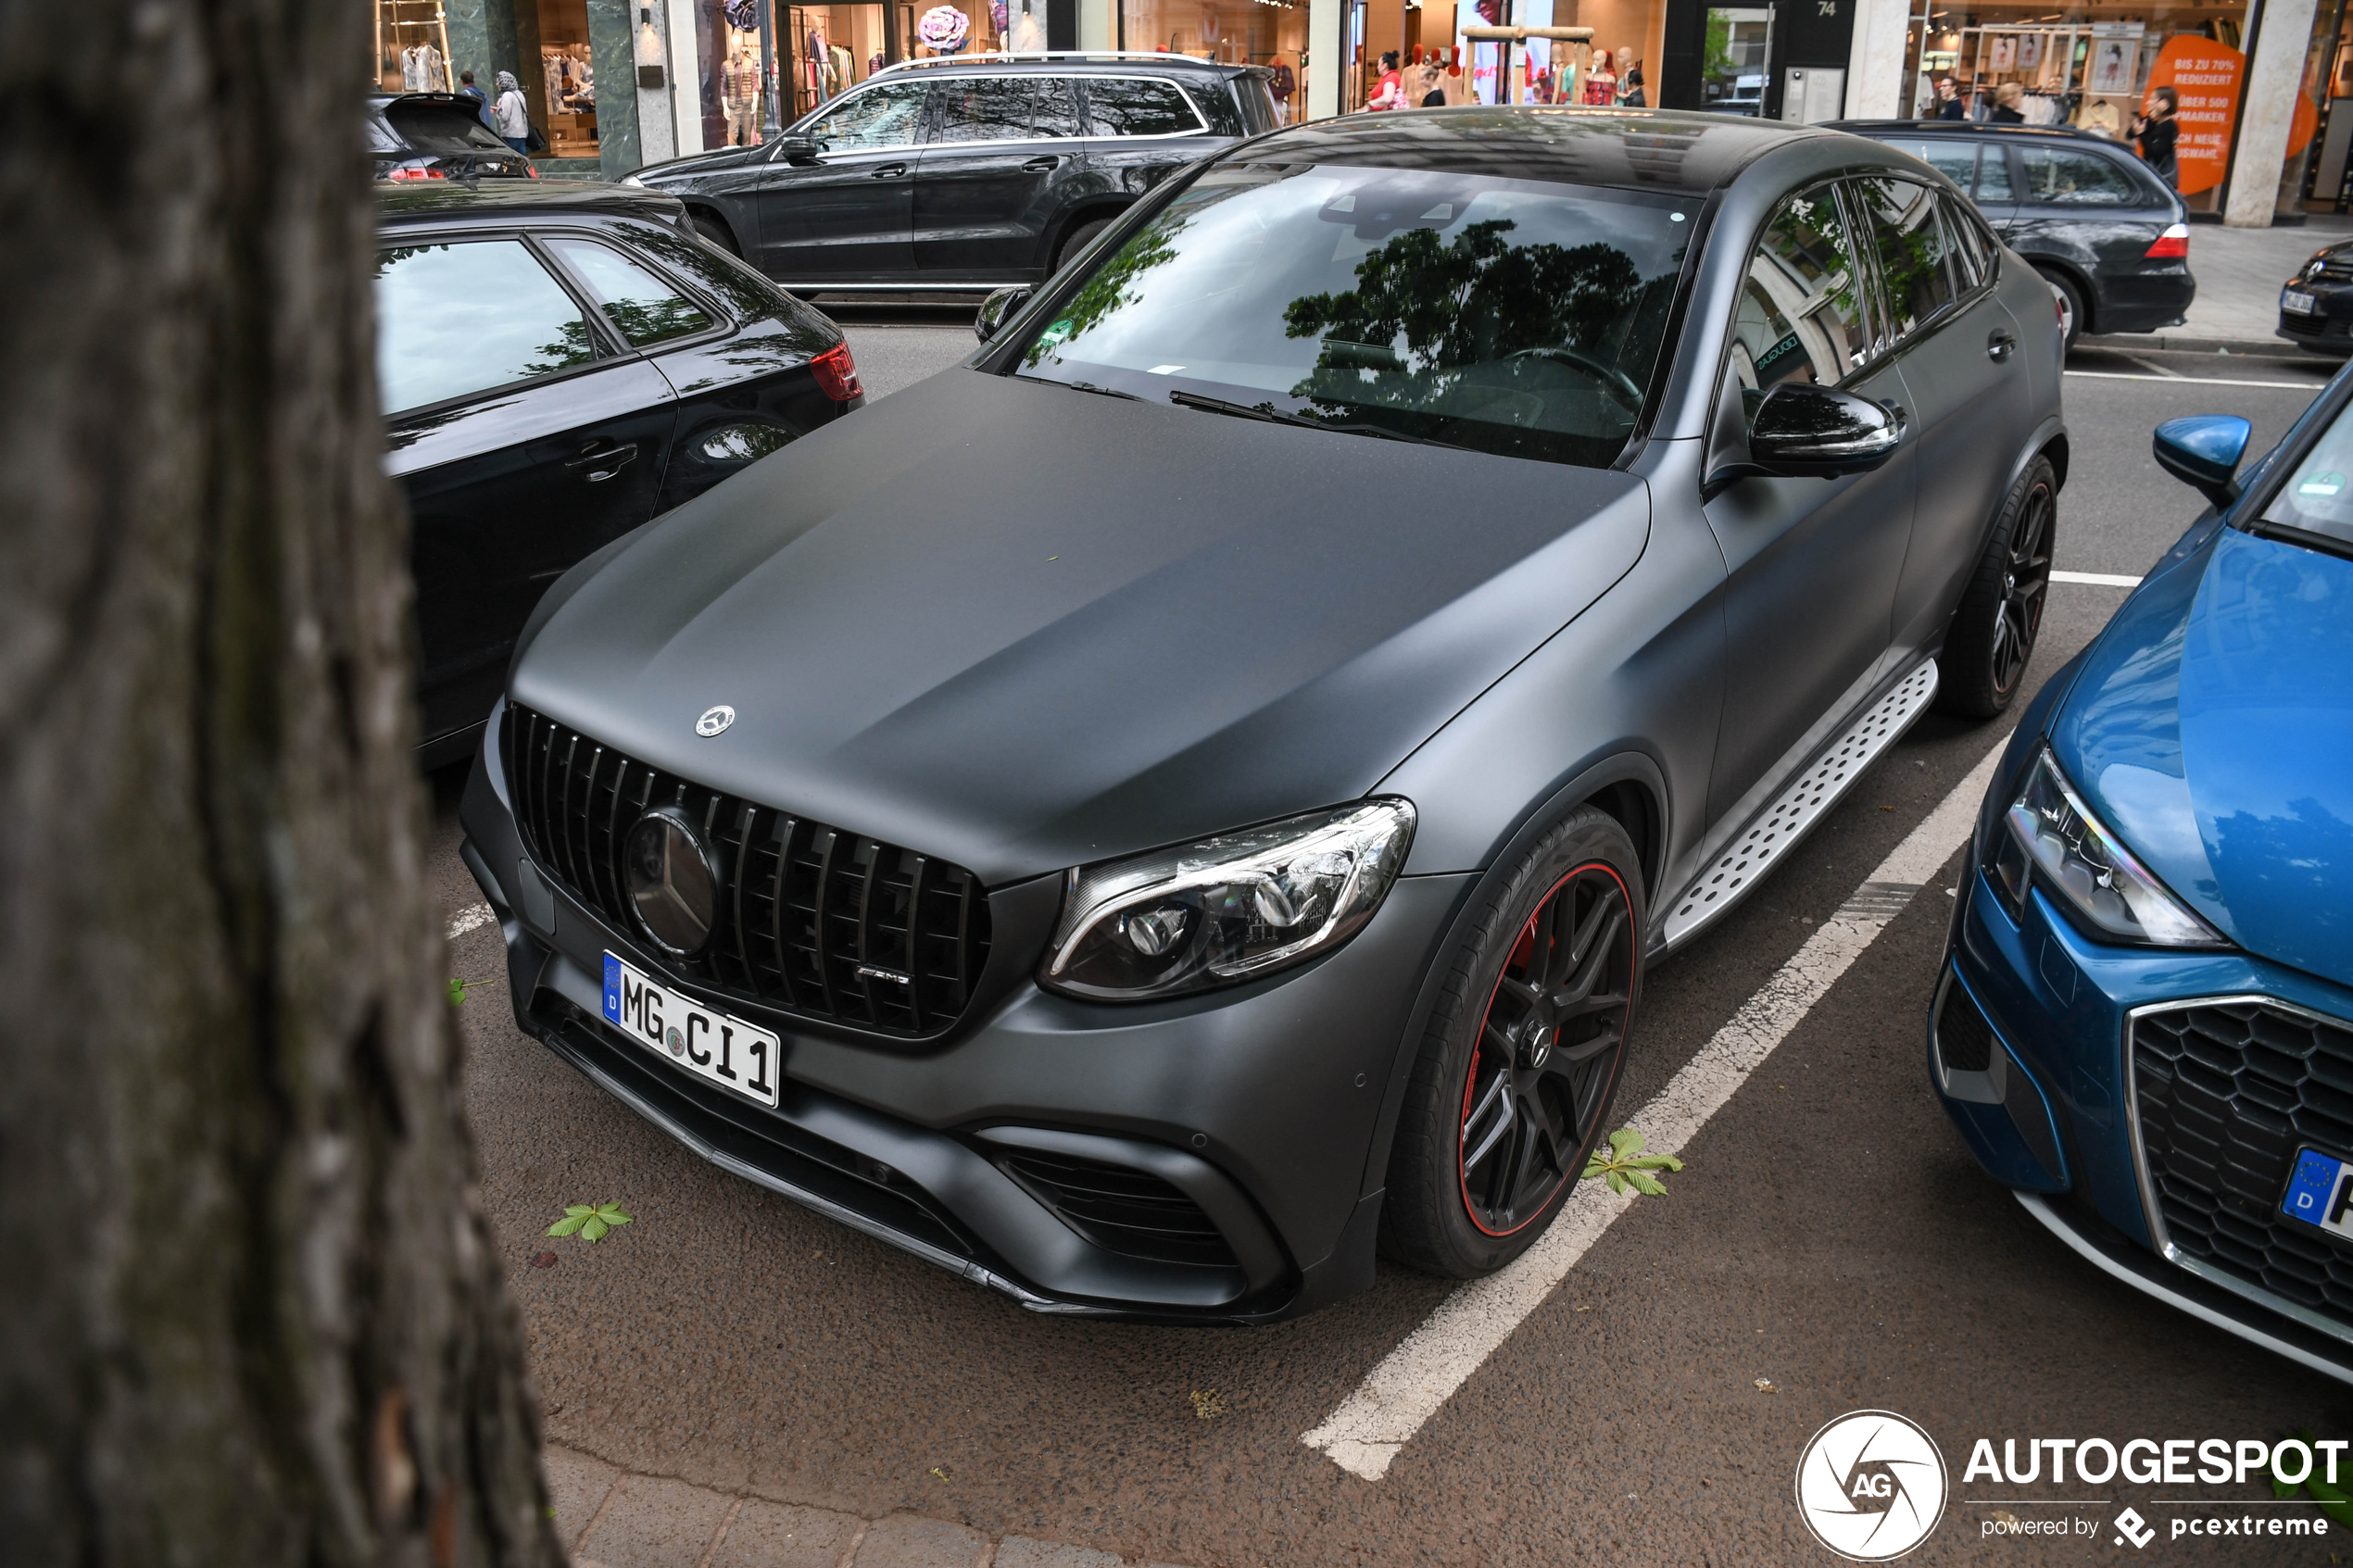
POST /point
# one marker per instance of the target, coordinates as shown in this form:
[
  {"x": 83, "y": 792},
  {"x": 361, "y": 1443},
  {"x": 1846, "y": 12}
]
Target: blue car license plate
[{"x": 2320, "y": 1193}]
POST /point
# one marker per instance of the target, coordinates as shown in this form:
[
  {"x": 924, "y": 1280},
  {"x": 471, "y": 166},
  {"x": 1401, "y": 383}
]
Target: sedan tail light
[
  {"x": 2171, "y": 245},
  {"x": 837, "y": 373},
  {"x": 415, "y": 171}
]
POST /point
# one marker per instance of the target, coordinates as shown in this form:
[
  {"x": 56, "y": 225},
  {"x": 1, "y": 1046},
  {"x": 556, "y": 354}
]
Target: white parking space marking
[
  {"x": 468, "y": 919},
  {"x": 2096, "y": 579},
  {"x": 2198, "y": 380},
  {"x": 1414, "y": 1381}
]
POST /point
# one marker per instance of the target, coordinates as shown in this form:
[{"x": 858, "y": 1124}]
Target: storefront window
[
  {"x": 1254, "y": 32},
  {"x": 2313, "y": 179},
  {"x": 412, "y": 47},
  {"x": 2092, "y": 67},
  {"x": 567, "y": 79}
]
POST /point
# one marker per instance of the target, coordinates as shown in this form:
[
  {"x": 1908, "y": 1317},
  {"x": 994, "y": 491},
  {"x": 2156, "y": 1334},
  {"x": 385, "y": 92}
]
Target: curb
[
  {"x": 608, "y": 1517},
  {"x": 2174, "y": 343}
]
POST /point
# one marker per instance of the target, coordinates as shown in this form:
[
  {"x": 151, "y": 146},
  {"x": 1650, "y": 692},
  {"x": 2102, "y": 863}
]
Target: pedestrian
[
  {"x": 466, "y": 89},
  {"x": 2156, "y": 132},
  {"x": 1430, "y": 80},
  {"x": 1948, "y": 101},
  {"x": 2006, "y": 97},
  {"x": 1388, "y": 93},
  {"x": 1630, "y": 86},
  {"x": 513, "y": 115}
]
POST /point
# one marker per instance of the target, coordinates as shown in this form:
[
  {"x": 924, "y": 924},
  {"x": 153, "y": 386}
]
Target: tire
[
  {"x": 1500, "y": 1114},
  {"x": 1078, "y": 239},
  {"x": 717, "y": 233},
  {"x": 2072, "y": 314},
  {"x": 1994, "y": 627}
]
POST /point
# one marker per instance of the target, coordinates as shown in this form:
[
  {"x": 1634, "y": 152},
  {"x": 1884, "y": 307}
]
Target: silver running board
[{"x": 1779, "y": 827}]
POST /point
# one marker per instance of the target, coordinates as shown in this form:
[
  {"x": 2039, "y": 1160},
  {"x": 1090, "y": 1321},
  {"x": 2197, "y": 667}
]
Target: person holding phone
[{"x": 2156, "y": 132}]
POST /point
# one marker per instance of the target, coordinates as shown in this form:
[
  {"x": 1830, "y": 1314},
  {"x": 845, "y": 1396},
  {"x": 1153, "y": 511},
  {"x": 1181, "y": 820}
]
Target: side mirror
[
  {"x": 797, "y": 149},
  {"x": 999, "y": 304},
  {"x": 2203, "y": 452},
  {"x": 1801, "y": 429}
]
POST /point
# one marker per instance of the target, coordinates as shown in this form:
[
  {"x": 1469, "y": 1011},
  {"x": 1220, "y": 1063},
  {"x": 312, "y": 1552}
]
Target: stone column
[
  {"x": 1098, "y": 24},
  {"x": 612, "y": 50},
  {"x": 1875, "y": 59},
  {"x": 1327, "y": 57},
  {"x": 482, "y": 40},
  {"x": 686, "y": 78},
  {"x": 2274, "y": 77}
]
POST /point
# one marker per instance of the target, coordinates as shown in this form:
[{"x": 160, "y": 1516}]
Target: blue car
[{"x": 2143, "y": 1024}]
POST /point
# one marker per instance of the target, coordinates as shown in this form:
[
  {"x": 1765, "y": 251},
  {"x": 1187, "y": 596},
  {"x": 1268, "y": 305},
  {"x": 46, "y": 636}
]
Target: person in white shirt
[{"x": 512, "y": 113}]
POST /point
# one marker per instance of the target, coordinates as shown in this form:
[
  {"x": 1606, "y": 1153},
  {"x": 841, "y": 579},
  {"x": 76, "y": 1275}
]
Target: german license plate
[
  {"x": 2297, "y": 304},
  {"x": 2320, "y": 1193},
  {"x": 705, "y": 1042}
]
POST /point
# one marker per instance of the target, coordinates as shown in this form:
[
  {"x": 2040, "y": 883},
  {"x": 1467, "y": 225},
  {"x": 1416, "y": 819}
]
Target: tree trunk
[{"x": 250, "y": 1310}]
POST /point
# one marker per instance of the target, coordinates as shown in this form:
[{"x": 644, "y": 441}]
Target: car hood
[
  {"x": 1024, "y": 627},
  {"x": 2212, "y": 729},
  {"x": 698, "y": 163}
]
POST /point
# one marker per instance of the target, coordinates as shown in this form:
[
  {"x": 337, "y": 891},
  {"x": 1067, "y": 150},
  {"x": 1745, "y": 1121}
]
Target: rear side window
[
  {"x": 1955, "y": 160},
  {"x": 1915, "y": 266},
  {"x": 455, "y": 319},
  {"x": 642, "y": 307},
  {"x": 989, "y": 110},
  {"x": 1133, "y": 107},
  {"x": 1993, "y": 175},
  {"x": 2060, "y": 177},
  {"x": 1055, "y": 110},
  {"x": 1218, "y": 105},
  {"x": 1800, "y": 310},
  {"x": 1972, "y": 253},
  {"x": 442, "y": 129}
]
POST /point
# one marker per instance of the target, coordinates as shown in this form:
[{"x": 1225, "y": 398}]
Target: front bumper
[
  {"x": 2108, "y": 1150},
  {"x": 1257, "y": 1106},
  {"x": 2328, "y": 330}
]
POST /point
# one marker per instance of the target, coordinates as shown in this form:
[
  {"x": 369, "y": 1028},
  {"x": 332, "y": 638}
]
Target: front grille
[
  {"x": 1963, "y": 1038},
  {"x": 2226, "y": 1092},
  {"x": 1122, "y": 1210},
  {"x": 813, "y": 920}
]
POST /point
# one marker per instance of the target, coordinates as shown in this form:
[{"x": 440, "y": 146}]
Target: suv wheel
[
  {"x": 716, "y": 233},
  {"x": 2001, "y": 611},
  {"x": 1078, "y": 239}
]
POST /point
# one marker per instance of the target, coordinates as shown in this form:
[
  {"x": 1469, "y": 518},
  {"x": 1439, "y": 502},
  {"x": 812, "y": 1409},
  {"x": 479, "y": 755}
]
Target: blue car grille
[
  {"x": 2226, "y": 1092},
  {"x": 812, "y": 920}
]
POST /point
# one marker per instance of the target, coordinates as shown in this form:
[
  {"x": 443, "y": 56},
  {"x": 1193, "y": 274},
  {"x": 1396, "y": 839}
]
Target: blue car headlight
[
  {"x": 2050, "y": 831},
  {"x": 1228, "y": 909}
]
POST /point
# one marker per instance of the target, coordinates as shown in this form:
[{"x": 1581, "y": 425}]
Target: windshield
[
  {"x": 2318, "y": 497},
  {"x": 1510, "y": 316}
]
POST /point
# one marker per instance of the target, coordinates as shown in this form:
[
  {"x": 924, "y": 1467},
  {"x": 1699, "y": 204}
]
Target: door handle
[
  {"x": 601, "y": 466},
  {"x": 888, "y": 172},
  {"x": 1039, "y": 165},
  {"x": 1998, "y": 344}
]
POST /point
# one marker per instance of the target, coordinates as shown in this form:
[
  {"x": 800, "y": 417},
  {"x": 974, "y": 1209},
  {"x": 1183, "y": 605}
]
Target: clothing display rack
[{"x": 412, "y": 47}]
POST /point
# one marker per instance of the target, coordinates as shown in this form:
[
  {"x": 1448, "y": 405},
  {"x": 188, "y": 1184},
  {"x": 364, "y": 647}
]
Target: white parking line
[
  {"x": 1414, "y": 1381},
  {"x": 2197, "y": 381},
  {"x": 2096, "y": 579},
  {"x": 470, "y": 918}
]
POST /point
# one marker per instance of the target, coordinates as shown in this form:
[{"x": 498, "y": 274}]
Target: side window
[
  {"x": 888, "y": 116},
  {"x": 1915, "y": 267},
  {"x": 1972, "y": 254},
  {"x": 1801, "y": 310},
  {"x": 642, "y": 307},
  {"x": 985, "y": 110},
  {"x": 1994, "y": 175},
  {"x": 1215, "y": 100},
  {"x": 2060, "y": 178},
  {"x": 1122, "y": 106},
  {"x": 1954, "y": 159},
  {"x": 1055, "y": 112},
  {"x": 455, "y": 319}
]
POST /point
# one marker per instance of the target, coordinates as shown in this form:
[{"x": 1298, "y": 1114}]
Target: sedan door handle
[
  {"x": 1998, "y": 344},
  {"x": 1039, "y": 165},
  {"x": 601, "y": 466},
  {"x": 888, "y": 172}
]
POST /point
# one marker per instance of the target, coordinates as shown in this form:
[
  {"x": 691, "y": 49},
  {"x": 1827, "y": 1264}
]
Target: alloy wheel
[
  {"x": 1548, "y": 1051},
  {"x": 2017, "y": 616}
]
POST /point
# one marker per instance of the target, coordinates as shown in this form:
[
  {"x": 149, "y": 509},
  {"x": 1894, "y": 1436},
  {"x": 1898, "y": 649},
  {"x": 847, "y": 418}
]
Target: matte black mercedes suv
[
  {"x": 940, "y": 174},
  {"x": 1187, "y": 796}
]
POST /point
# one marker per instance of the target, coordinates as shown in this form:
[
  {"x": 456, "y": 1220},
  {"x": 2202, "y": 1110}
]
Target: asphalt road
[{"x": 1830, "y": 1236}]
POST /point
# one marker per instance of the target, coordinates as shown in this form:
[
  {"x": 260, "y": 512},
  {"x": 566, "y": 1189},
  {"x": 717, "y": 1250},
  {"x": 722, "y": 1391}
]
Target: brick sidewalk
[{"x": 611, "y": 1518}]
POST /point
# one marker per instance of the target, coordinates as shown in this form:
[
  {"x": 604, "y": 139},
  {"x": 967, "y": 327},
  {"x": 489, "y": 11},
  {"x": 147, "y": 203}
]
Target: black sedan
[
  {"x": 2316, "y": 305},
  {"x": 2106, "y": 233},
  {"x": 558, "y": 363},
  {"x": 947, "y": 173},
  {"x": 1186, "y": 799},
  {"x": 438, "y": 136}
]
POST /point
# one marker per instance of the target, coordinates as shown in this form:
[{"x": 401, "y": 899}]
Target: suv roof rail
[{"x": 1161, "y": 56}]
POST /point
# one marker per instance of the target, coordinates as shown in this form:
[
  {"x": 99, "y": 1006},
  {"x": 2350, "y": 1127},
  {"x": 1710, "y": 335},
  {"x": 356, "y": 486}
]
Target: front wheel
[
  {"x": 718, "y": 233},
  {"x": 2001, "y": 611},
  {"x": 1513, "y": 1081}
]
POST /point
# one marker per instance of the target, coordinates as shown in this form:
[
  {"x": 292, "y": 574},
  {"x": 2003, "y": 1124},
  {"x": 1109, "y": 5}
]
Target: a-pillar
[
  {"x": 1327, "y": 57},
  {"x": 2274, "y": 77}
]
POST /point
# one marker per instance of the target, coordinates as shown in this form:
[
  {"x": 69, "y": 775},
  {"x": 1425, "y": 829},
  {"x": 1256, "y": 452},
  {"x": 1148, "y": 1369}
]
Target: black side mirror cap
[
  {"x": 797, "y": 149},
  {"x": 2203, "y": 452},
  {"x": 1802, "y": 430},
  {"x": 1000, "y": 304}
]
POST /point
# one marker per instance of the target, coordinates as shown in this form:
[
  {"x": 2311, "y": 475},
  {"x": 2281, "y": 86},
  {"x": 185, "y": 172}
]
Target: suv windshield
[
  {"x": 2317, "y": 500},
  {"x": 1510, "y": 316}
]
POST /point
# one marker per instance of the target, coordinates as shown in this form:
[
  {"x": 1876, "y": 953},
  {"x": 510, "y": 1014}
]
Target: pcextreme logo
[{"x": 1871, "y": 1486}]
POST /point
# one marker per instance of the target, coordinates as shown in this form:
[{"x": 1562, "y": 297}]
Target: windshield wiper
[
  {"x": 1274, "y": 415},
  {"x": 1091, "y": 386}
]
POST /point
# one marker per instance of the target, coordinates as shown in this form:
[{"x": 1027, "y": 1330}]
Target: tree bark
[{"x": 251, "y": 1312}]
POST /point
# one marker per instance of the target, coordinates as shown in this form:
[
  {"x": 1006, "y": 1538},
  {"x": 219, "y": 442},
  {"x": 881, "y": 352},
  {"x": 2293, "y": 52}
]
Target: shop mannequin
[
  {"x": 1601, "y": 87},
  {"x": 740, "y": 93}
]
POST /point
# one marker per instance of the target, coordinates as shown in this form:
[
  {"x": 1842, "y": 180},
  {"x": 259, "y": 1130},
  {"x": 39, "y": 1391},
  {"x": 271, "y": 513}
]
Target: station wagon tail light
[
  {"x": 2171, "y": 245},
  {"x": 837, "y": 373},
  {"x": 412, "y": 172}
]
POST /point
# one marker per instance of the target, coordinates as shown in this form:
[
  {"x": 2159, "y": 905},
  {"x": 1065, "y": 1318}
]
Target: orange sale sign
[{"x": 2207, "y": 76}]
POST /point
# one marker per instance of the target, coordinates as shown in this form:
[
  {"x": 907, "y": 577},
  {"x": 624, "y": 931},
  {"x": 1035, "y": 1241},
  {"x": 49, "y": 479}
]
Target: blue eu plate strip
[
  {"x": 2308, "y": 1193},
  {"x": 613, "y": 988}
]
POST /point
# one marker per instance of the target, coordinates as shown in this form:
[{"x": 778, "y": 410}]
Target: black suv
[
  {"x": 947, "y": 174},
  {"x": 2104, "y": 231},
  {"x": 438, "y": 136}
]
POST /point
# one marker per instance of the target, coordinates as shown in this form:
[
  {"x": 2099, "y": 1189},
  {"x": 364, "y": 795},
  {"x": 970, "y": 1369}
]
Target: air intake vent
[
  {"x": 1963, "y": 1038},
  {"x": 812, "y": 920},
  {"x": 1122, "y": 1210}
]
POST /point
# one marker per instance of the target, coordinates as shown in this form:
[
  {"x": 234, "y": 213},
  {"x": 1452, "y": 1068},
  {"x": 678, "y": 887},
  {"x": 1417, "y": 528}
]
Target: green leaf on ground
[
  {"x": 592, "y": 1221},
  {"x": 1625, "y": 1167}
]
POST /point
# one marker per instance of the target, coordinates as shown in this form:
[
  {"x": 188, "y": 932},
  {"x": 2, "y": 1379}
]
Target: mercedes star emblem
[{"x": 714, "y": 721}]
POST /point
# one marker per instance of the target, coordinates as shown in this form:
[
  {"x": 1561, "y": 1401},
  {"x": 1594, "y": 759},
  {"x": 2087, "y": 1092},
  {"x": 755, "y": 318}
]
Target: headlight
[
  {"x": 2050, "y": 830},
  {"x": 1227, "y": 908}
]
